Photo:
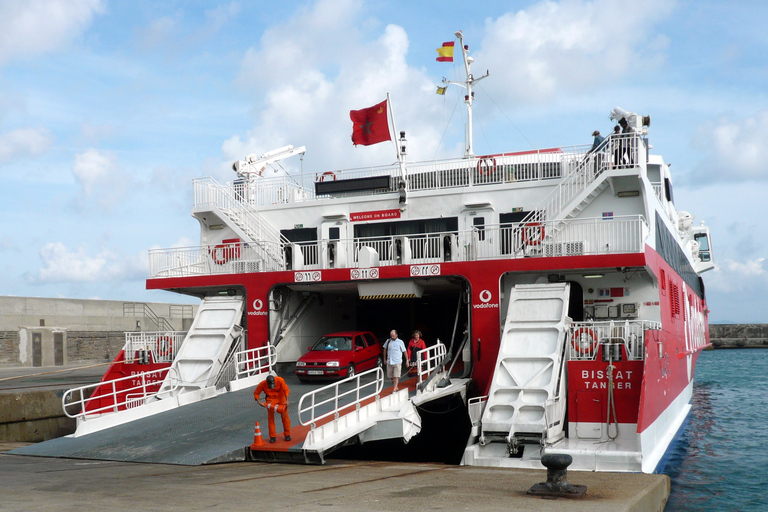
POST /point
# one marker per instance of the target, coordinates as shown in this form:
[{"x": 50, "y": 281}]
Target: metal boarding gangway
[
  {"x": 356, "y": 407},
  {"x": 136, "y": 401},
  {"x": 120, "y": 397}
]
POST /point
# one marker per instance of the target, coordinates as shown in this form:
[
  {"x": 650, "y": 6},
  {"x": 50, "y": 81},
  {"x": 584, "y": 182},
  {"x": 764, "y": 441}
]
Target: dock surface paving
[{"x": 42, "y": 483}]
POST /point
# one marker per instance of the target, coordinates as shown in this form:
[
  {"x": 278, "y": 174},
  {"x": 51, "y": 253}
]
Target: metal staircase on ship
[{"x": 526, "y": 402}]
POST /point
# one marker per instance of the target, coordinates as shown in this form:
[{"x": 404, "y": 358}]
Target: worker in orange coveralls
[{"x": 276, "y": 391}]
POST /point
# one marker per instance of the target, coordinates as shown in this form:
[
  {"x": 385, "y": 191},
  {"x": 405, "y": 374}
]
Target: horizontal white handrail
[
  {"x": 331, "y": 399},
  {"x": 574, "y": 237},
  {"x": 153, "y": 346},
  {"x": 255, "y": 361},
  {"x": 141, "y": 386},
  {"x": 585, "y": 338},
  {"x": 439, "y": 174}
]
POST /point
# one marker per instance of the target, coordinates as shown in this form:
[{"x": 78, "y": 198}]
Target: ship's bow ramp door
[
  {"x": 528, "y": 375},
  {"x": 215, "y": 328}
]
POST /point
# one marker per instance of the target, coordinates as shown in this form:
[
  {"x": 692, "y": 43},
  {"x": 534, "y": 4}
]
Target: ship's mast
[{"x": 470, "y": 95}]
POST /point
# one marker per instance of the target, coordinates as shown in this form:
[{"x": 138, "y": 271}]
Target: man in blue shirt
[{"x": 395, "y": 348}]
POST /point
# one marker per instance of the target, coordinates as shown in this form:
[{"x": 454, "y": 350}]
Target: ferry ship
[{"x": 559, "y": 292}]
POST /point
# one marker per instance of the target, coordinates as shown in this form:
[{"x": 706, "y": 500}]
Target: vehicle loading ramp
[{"x": 217, "y": 430}]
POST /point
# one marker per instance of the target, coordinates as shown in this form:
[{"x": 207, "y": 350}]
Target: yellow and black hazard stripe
[{"x": 389, "y": 296}]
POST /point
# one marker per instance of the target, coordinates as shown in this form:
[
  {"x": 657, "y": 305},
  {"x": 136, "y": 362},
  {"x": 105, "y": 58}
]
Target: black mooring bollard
[{"x": 557, "y": 483}]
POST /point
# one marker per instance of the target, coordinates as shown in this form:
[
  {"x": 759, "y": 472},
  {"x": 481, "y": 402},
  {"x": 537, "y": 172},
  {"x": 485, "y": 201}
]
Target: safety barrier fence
[
  {"x": 153, "y": 347},
  {"x": 587, "y": 338},
  {"x": 114, "y": 395},
  {"x": 606, "y": 235},
  {"x": 330, "y": 400}
]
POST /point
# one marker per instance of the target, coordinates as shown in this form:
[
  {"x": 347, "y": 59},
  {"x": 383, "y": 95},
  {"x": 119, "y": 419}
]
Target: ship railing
[
  {"x": 658, "y": 189},
  {"x": 333, "y": 399},
  {"x": 232, "y": 201},
  {"x": 476, "y": 408},
  {"x": 255, "y": 361},
  {"x": 591, "y": 339},
  {"x": 619, "y": 151},
  {"x": 236, "y": 258},
  {"x": 575, "y": 237},
  {"x": 502, "y": 168},
  {"x": 153, "y": 347},
  {"x": 115, "y": 395}
]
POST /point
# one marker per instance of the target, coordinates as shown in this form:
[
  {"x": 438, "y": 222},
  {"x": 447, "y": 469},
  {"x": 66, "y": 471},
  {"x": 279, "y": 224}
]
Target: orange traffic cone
[{"x": 257, "y": 439}]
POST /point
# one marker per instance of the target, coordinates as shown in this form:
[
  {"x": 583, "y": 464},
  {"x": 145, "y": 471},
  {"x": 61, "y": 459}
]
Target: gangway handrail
[
  {"x": 337, "y": 395},
  {"x": 429, "y": 360},
  {"x": 137, "y": 392},
  {"x": 255, "y": 361}
]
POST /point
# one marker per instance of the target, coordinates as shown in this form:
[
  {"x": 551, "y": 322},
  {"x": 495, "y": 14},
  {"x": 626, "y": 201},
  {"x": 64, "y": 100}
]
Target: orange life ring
[
  {"x": 528, "y": 239},
  {"x": 580, "y": 340},
  {"x": 165, "y": 345},
  {"x": 487, "y": 169},
  {"x": 327, "y": 173}
]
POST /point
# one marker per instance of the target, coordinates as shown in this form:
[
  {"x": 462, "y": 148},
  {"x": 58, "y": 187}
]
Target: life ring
[
  {"x": 219, "y": 254},
  {"x": 327, "y": 173},
  {"x": 165, "y": 345},
  {"x": 581, "y": 340},
  {"x": 486, "y": 169},
  {"x": 529, "y": 239}
]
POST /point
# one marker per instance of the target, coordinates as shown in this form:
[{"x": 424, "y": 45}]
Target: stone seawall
[
  {"x": 738, "y": 335},
  {"x": 81, "y": 347}
]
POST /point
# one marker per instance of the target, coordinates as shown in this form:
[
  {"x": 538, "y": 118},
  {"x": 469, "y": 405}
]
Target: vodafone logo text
[{"x": 485, "y": 299}]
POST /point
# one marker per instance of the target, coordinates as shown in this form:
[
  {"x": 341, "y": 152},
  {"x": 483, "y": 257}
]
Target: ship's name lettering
[{"x": 598, "y": 379}]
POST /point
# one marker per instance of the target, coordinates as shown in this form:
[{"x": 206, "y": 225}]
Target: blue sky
[{"x": 109, "y": 109}]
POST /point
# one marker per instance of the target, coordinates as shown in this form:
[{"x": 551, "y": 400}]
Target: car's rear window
[{"x": 370, "y": 339}]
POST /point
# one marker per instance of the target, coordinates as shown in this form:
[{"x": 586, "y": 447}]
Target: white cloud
[
  {"x": 311, "y": 71},
  {"x": 571, "y": 46},
  {"x": 82, "y": 265},
  {"x": 103, "y": 182},
  {"x": 734, "y": 150},
  {"x": 29, "y": 28},
  {"x": 26, "y": 141},
  {"x": 733, "y": 276}
]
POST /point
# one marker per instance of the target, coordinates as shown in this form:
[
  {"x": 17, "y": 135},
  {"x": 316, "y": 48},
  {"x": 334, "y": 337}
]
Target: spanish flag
[
  {"x": 441, "y": 90},
  {"x": 445, "y": 52}
]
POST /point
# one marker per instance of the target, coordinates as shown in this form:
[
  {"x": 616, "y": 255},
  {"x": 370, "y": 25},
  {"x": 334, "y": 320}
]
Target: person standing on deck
[
  {"x": 276, "y": 392},
  {"x": 395, "y": 348}
]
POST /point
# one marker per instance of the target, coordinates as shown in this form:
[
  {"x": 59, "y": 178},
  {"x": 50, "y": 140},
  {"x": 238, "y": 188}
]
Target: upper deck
[{"x": 451, "y": 210}]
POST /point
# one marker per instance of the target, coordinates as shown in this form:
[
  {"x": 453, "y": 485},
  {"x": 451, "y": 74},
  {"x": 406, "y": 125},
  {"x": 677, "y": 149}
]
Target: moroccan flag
[
  {"x": 445, "y": 53},
  {"x": 369, "y": 125}
]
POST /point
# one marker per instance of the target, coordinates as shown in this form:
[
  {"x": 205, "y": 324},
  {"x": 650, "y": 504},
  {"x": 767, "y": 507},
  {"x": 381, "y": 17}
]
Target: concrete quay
[{"x": 41, "y": 483}]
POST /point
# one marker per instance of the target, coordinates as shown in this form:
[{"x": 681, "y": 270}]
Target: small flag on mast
[
  {"x": 370, "y": 125},
  {"x": 441, "y": 90},
  {"x": 445, "y": 52}
]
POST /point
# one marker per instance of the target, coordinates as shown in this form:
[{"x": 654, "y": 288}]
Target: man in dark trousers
[{"x": 276, "y": 392}]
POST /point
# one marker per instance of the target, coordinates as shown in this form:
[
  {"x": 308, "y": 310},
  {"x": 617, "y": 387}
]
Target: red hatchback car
[{"x": 340, "y": 355}]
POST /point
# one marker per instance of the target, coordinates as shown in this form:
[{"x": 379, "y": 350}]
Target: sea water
[{"x": 720, "y": 462}]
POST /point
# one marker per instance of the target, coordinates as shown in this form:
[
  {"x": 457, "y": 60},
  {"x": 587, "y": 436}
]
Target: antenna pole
[{"x": 469, "y": 96}]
